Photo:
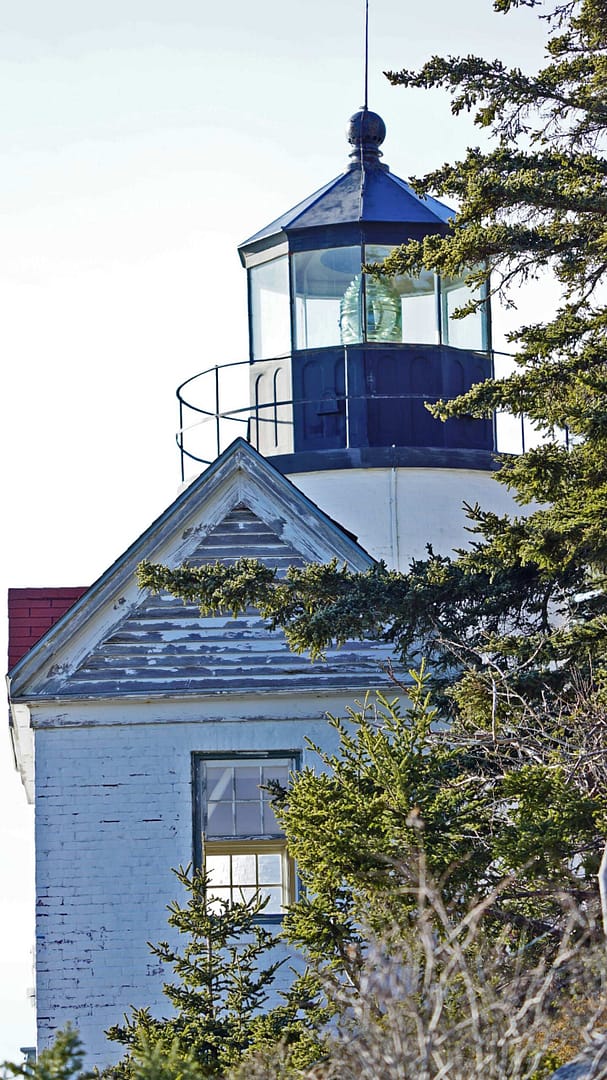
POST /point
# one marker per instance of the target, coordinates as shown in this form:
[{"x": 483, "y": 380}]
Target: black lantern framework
[
  {"x": 342, "y": 363},
  {"x": 345, "y": 361}
]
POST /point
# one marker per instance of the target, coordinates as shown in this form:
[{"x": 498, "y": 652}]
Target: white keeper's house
[{"x": 144, "y": 731}]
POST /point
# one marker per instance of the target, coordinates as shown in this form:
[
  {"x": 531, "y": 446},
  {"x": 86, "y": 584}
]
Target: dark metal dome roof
[{"x": 367, "y": 193}]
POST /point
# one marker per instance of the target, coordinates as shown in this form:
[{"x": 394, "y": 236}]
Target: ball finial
[
  {"x": 366, "y": 128},
  {"x": 366, "y": 132}
]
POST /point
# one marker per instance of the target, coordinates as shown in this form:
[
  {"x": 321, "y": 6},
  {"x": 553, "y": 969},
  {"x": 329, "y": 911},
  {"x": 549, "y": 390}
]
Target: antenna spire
[{"x": 366, "y": 105}]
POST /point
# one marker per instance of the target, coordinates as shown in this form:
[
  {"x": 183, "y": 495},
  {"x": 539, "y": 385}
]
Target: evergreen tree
[
  {"x": 223, "y": 974},
  {"x": 63, "y": 1060},
  {"x": 491, "y": 825},
  {"x": 533, "y": 586},
  {"x": 514, "y": 628},
  {"x": 528, "y": 597}
]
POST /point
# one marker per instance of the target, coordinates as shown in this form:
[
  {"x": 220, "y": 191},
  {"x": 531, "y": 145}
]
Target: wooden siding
[
  {"x": 242, "y": 533},
  {"x": 166, "y": 646}
]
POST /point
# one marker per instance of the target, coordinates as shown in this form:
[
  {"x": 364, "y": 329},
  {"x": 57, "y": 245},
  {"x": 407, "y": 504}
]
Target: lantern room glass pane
[
  {"x": 402, "y": 308},
  {"x": 469, "y": 332},
  {"x": 320, "y": 282},
  {"x": 270, "y": 309}
]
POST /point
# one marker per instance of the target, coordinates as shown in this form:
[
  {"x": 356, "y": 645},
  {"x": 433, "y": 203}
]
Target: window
[
  {"x": 467, "y": 333},
  {"x": 321, "y": 280},
  {"x": 270, "y": 309},
  {"x": 239, "y": 840},
  {"x": 414, "y": 320}
]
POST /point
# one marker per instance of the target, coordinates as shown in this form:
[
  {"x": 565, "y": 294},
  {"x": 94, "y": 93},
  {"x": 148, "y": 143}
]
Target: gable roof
[
  {"x": 166, "y": 646},
  {"x": 118, "y": 640}
]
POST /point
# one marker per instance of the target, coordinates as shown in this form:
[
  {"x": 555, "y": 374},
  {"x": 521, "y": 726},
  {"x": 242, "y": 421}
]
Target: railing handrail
[
  {"x": 208, "y": 371},
  {"x": 288, "y": 356},
  {"x": 252, "y": 412}
]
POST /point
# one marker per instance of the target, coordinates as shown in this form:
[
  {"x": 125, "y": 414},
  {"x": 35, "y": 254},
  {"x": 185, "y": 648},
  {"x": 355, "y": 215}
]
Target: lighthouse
[
  {"x": 154, "y": 728},
  {"x": 343, "y": 363}
]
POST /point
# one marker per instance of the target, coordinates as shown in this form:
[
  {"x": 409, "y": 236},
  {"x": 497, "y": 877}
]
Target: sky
[{"x": 141, "y": 141}]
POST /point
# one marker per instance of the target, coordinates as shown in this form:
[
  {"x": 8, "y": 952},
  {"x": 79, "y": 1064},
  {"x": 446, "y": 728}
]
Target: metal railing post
[
  {"x": 182, "y": 461},
  {"x": 217, "y": 424},
  {"x": 347, "y": 397}
]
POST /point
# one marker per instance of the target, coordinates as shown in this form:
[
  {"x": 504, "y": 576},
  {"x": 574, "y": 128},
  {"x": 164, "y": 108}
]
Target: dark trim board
[{"x": 385, "y": 457}]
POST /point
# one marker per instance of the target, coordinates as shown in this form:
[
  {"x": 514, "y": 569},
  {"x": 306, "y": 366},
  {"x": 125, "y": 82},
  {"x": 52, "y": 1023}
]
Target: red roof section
[{"x": 31, "y": 612}]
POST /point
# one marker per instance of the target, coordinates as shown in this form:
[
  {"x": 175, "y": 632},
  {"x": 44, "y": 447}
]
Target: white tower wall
[{"x": 396, "y": 512}]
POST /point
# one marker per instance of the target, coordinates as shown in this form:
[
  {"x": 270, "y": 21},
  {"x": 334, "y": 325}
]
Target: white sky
[{"x": 141, "y": 141}]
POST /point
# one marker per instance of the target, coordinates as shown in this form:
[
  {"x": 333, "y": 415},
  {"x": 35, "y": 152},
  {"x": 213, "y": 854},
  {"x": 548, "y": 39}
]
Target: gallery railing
[{"x": 215, "y": 408}]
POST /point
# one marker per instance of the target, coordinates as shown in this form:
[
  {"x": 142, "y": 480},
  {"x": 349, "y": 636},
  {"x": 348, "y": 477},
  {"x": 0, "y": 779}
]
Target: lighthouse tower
[
  {"x": 156, "y": 730},
  {"x": 342, "y": 363}
]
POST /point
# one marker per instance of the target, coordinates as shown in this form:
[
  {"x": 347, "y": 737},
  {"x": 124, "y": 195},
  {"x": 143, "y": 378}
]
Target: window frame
[
  {"x": 236, "y": 845},
  {"x": 260, "y": 847}
]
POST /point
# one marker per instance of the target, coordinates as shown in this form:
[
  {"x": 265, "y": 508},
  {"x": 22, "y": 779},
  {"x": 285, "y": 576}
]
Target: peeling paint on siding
[{"x": 165, "y": 645}]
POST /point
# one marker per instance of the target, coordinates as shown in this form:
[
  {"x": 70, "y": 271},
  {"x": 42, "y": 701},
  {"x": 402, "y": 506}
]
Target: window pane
[
  {"x": 220, "y": 819},
  {"x": 219, "y": 783},
  {"x": 270, "y": 310},
  {"x": 237, "y": 870},
  {"x": 417, "y": 321},
  {"x": 247, "y": 780},
  {"x": 244, "y": 875},
  {"x": 274, "y": 904},
  {"x": 248, "y": 819},
  {"x": 270, "y": 869},
  {"x": 279, "y": 773},
  {"x": 243, "y": 870},
  {"x": 467, "y": 333},
  {"x": 218, "y": 869},
  {"x": 271, "y": 826},
  {"x": 320, "y": 281},
  {"x": 242, "y": 895},
  {"x": 217, "y": 897}
]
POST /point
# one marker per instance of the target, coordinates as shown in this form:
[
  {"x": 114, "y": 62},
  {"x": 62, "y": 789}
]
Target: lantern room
[{"x": 342, "y": 360}]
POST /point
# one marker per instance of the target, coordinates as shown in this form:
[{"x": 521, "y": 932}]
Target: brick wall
[
  {"x": 113, "y": 815},
  {"x": 31, "y": 612}
]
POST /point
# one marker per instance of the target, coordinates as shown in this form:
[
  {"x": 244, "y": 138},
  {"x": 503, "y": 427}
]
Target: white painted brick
[{"x": 114, "y": 814}]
